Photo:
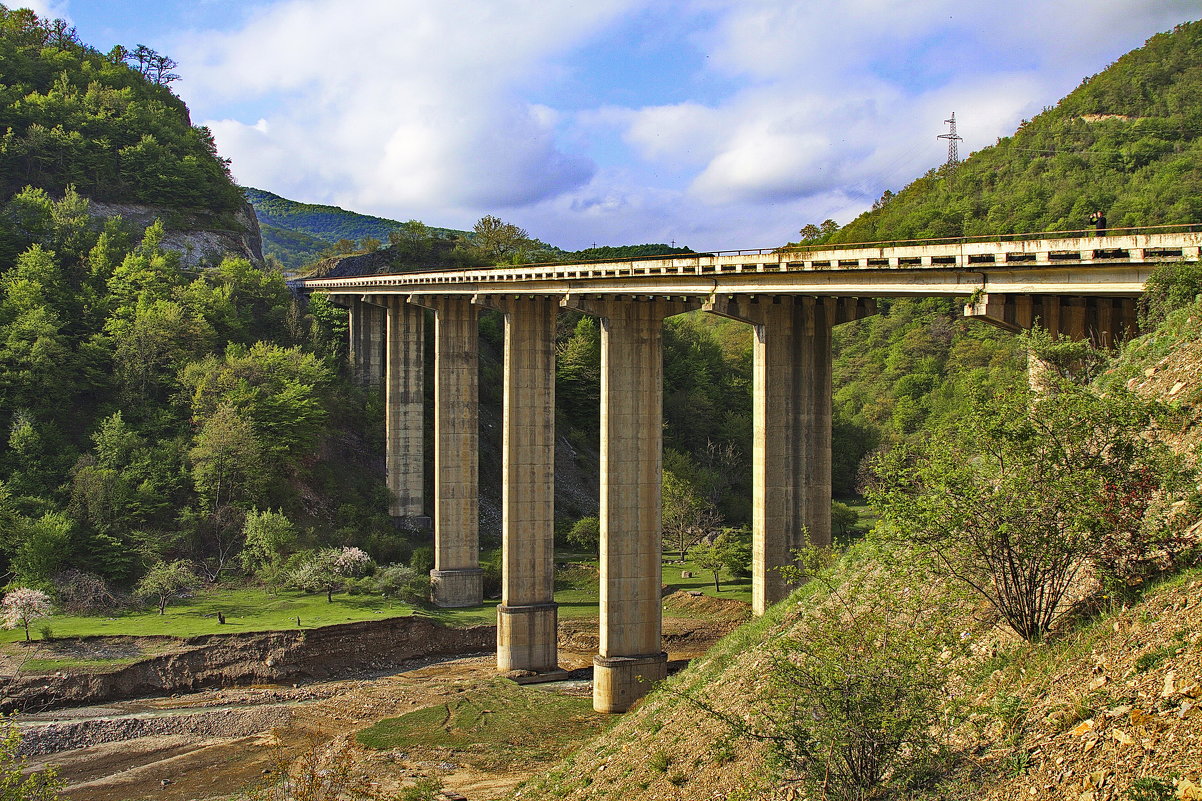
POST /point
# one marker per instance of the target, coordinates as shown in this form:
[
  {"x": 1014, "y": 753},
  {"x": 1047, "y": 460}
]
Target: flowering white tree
[
  {"x": 22, "y": 606},
  {"x": 326, "y": 570}
]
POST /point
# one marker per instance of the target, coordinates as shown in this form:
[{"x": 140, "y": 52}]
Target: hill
[
  {"x": 1105, "y": 708},
  {"x": 300, "y": 233},
  {"x": 1127, "y": 141}
]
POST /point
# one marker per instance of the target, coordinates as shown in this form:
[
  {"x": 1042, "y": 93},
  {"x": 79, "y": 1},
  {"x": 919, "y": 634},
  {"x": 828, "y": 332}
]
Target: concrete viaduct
[{"x": 1076, "y": 287}]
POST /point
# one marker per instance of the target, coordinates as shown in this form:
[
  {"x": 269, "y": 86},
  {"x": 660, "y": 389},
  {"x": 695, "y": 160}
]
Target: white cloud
[
  {"x": 399, "y": 105},
  {"x": 411, "y": 108},
  {"x": 47, "y": 9}
]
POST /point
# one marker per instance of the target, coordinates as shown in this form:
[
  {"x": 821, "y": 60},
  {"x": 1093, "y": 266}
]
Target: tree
[
  {"x": 495, "y": 241},
  {"x": 327, "y": 569},
  {"x": 687, "y": 515},
  {"x": 586, "y": 533},
  {"x": 711, "y": 558},
  {"x": 22, "y": 606},
  {"x": 269, "y": 536},
  {"x": 165, "y": 581},
  {"x": 843, "y": 518},
  {"x": 1028, "y": 489}
]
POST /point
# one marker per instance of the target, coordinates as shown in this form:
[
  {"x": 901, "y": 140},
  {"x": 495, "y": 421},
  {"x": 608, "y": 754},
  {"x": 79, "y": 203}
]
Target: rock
[
  {"x": 1082, "y": 729},
  {"x": 1122, "y": 737},
  {"x": 1176, "y": 388},
  {"x": 1169, "y": 690}
]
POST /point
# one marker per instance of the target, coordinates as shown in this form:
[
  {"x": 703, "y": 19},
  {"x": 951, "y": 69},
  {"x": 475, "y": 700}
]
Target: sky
[{"x": 718, "y": 124}]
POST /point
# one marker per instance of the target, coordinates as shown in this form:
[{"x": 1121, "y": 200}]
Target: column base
[
  {"x": 451, "y": 589},
  {"x": 527, "y": 637},
  {"x": 619, "y": 681},
  {"x": 413, "y": 522}
]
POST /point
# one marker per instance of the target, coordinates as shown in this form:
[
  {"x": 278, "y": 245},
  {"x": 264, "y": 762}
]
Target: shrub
[
  {"x": 422, "y": 559},
  {"x": 403, "y": 583},
  {"x": 16, "y": 783}
]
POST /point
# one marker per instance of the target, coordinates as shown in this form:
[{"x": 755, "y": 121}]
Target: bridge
[{"x": 1079, "y": 286}]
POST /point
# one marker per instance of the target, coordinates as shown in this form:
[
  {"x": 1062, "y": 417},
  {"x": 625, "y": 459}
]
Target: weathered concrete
[
  {"x": 527, "y": 617},
  {"x": 457, "y": 578},
  {"x": 404, "y": 409},
  {"x": 1104, "y": 321},
  {"x": 791, "y": 446},
  {"x": 366, "y": 323},
  {"x": 631, "y": 461}
]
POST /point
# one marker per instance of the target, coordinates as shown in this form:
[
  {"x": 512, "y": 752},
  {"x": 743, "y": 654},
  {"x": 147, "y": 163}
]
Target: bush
[
  {"x": 1171, "y": 286},
  {"x": 16, "y": 784},
  {"x": 403, "y": 583},
  {"x": 81, "y": 593},
  {"x": 422, "y": 559},
  {"x": 585, "y": 534}
]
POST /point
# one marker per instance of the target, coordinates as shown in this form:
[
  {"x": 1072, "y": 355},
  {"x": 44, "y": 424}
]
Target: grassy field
[
  {"x": 252, "y": 609},
  {"x": 498, "y": 726}
]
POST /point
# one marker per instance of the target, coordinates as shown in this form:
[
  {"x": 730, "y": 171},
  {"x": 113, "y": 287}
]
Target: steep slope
[{"x": 1128, "y": 142}]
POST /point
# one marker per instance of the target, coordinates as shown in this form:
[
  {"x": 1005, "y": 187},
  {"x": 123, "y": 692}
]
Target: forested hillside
[
  {"x": 1127, "y": 142},
  {"x": 147, "y": 410}
]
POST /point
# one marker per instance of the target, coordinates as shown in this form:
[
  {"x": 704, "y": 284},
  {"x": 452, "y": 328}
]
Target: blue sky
[{"x": 716, "y": 123}]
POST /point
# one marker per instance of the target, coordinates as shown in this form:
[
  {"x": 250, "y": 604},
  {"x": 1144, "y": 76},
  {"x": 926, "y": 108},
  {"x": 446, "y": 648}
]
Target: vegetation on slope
[
  {"x": 70, "y": 115},
  {"x": 1128, "y": 142}
]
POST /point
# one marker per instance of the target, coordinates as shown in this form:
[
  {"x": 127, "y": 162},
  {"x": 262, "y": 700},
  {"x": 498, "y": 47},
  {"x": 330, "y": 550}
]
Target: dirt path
[{"x": 195, "y": 746}]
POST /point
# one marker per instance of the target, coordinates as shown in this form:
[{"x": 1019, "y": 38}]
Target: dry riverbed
[{"x": 223, "y": 742}]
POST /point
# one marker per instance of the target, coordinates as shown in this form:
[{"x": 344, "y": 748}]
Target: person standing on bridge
[{"x": 1098, "y": 218}]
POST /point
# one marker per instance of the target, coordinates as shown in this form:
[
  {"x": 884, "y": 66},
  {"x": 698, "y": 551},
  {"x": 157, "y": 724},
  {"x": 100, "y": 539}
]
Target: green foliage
[
  {"x": 17, "y": 783},
  {"x": 268, "y": 539},
  {"x": 1172, "y": 285},
  {"x": 402, "y": 582},
  {"x": 1127, "y": 141},
  {"x": 843, "y": 519},
  {"x": 165, "y": 581},
  {"x": 1151, "y": 788},
  {"x": 1028, "y": 489},
  {"x": 74, "y": 116},
  {"x": 586, "y": 534}
]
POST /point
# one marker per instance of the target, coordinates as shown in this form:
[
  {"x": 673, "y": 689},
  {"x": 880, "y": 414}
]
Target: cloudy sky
[{"x": 713, "y": 123}]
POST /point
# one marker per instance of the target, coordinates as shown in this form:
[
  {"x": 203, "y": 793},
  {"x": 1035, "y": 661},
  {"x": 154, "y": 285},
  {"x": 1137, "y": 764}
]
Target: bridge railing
[{"x": 882, "y": 243}]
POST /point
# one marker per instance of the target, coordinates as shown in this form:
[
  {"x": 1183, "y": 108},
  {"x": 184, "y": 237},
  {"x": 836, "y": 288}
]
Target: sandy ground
[{"x": 324, "y": 716}]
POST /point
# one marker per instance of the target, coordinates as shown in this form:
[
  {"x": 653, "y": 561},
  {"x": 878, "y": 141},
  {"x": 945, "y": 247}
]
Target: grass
[
  {"x": 254, "y": 609},
  {"x": 245, "y": 610},
  {"x": 497, "y": 726}
]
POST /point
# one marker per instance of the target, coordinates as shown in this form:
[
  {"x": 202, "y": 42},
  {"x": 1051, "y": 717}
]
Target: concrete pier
[
  {"x": 367, "y": 341},
  {"x": 404, "y": 398},
  {"x": 457, "y": 578},
  {"x": 631, "y": 656},
  {"x": 527, "y": 617},
  {"x": 791, "y": 434}
]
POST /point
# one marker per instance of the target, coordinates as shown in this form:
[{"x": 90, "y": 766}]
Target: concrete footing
[
  {"x": 457, "y": 588},
  {"x": 619, "y": 681},
  {"x": 526, "y": 637}
]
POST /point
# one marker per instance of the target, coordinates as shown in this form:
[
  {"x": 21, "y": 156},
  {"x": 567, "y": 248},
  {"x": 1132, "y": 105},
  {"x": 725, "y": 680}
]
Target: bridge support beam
[
  {"x": 527, "y": 619},
  {"x": 631, "y": 656},
  {"x": 457, "y": 578},
  {"x": 791, "y": 458},
  {"x": 1104, "y": 321},
  {"x": 404, "y": 400}
]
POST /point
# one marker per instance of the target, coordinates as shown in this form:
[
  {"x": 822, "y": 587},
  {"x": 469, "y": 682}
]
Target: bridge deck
[{"x": 1108, "y": 265}]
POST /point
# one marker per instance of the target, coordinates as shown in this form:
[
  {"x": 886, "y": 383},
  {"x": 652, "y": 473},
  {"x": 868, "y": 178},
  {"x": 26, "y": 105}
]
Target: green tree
[
  {"x": 1028, "y": 489},
  {"x": 687, "y": 514},
  {"x": 586, "y": 533},
  {"x": 166, "y": 581},
  {"x": 268, "y": 538},
  {"x": 17, "y": 782}
]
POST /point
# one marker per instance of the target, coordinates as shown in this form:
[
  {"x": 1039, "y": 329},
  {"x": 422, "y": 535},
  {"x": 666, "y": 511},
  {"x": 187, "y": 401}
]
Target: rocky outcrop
[
  {"x": 220, "y": 660},
  {"x": 201, "y": 239}
]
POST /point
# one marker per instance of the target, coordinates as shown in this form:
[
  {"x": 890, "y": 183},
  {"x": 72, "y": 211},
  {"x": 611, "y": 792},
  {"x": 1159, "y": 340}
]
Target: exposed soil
[
  {"x": 168, "y": 665},
  {"x": 220, "y": 742}
]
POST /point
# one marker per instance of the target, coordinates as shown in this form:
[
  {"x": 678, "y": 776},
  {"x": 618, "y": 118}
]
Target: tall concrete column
[
  {"x": 404, "y": 404},
  {"x": 457, "y": 578},
  {"x": 527, "y": 617},
  {"x": 367, "y": 341},
  {"x": 791, "y": 444},
  {"x": 631, "y": 656}
]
